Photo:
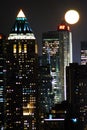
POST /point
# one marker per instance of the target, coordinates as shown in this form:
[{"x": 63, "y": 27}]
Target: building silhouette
[
  {"x": 57, "y": 50},
  {"x": 76, "y": 76},
  {"x": 21, "y": 52}
]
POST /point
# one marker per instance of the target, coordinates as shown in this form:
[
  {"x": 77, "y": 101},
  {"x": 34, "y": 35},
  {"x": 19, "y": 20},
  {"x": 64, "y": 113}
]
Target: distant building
[
  {"x": 57, "y": 50},
  {"x": 76, "y": 80},
  {"x": 83, "y": 52},
  {"x": 21, "y": 77}
]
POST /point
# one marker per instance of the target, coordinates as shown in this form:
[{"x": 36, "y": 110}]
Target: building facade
[
  {"x": 44, "y": 90},
  {"x": 21, "y": 77},
  {"x": 83, "y": 52},
  {"x": 57, "y": 47},
  {"x": 76, "y": 77},
  {"x": 2, "y": 81}
]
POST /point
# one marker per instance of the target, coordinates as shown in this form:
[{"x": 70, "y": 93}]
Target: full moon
[{"x": 71, "y": 16}]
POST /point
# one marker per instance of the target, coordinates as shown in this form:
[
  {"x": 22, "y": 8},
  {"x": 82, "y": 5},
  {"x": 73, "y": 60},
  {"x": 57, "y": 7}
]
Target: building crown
[
  {"x": 63, "y": 27},
  {"x": 21, "y": 28}
]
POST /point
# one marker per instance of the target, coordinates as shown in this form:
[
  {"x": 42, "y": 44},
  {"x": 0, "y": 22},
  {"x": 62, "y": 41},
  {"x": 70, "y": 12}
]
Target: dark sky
[{"x": 45, "y": 15}]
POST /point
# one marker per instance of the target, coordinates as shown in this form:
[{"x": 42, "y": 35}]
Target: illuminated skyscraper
[
  {"x": 21, "y": 77},
  {"x": 57, "y": 46}
]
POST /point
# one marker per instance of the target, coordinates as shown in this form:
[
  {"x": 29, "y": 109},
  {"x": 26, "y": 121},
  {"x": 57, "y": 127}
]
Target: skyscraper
[
  {"x": 44, "y": 90},
  {"x": 76, "y": 77},
  {"x": 21, "y": 77},
  {"x": 57, "y": 46},
  {"x": 2, "y": 82}
]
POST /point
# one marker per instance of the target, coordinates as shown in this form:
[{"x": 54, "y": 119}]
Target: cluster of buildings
[{"x": 41, "y": 92}]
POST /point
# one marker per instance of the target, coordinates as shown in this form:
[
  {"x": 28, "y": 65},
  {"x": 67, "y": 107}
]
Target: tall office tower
[
  {"x": 45, "y": 87},
  {"x": 83, "y": 52},
  {"x": 57, "y": 46},
  {"x": 76, "y": 77},
  {"x": 2, "y": 83},
  {"x": 21, "y": 77},
  {"x": 44, "y": 90}
]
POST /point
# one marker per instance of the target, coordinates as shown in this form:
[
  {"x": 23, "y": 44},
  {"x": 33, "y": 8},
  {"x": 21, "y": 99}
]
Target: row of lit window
[
  {"x": 12, "y": 114},
  {"x": 82, "y": 84},
  {"x": 18, "y": 122},
  {"x": 18, "y": 82},
  {"x": 28, "y": 92},
  {"x": 22, "y": 55},
  {"x": 19, "y": 48},
  {"x": 31, "y": 100},
  {"x": 26, "y": 27},
  {"x": 10, "y": 90}
]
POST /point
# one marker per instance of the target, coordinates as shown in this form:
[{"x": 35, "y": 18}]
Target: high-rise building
[
  {"x": 45, "y": 87},
  {"x": 83, "y": 52},
  {"x": 57, "y": 47},
  {"x": 76, "y": 79},
  {"x": 2, "y": 82},
  {"x": 44, "y": 90},
  {"x": 21, "y": 77}
]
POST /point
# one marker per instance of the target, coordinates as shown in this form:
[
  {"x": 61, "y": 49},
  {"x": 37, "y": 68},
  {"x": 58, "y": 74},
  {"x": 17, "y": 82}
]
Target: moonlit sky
[{"x": 45, "y": 15}]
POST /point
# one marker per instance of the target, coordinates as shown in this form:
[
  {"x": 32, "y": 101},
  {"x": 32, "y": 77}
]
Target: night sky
[{"x": 45, "y": 15}]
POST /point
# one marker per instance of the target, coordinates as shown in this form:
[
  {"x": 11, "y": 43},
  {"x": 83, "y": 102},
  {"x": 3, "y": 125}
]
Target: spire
[{"x": 21, "y": 14}]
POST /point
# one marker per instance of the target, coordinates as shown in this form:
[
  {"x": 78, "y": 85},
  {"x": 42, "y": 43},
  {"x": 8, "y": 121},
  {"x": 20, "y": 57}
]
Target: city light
[
  {"x": 59, "y": 119},
  {"x": 74, "y": 120}
]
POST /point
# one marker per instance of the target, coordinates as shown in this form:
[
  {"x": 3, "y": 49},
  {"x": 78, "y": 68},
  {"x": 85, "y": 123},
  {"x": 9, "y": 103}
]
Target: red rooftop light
[
  {"x": 63, "y": 27},
  {"x": 1, "y": 36}
]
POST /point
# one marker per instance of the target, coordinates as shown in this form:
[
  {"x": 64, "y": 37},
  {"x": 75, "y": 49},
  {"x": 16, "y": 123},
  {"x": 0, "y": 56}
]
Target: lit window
[
  {"x": 14, "y": 48},
  {"x": 1, "y": 100},
  {"x": 36, "y": 49},
  {"x": 25, "y": 48},
  {"x": 20, "y": 49},
  {"x": 15, "y": 28}
]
